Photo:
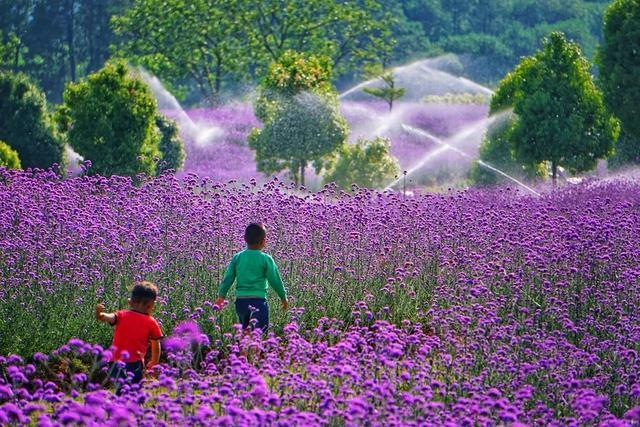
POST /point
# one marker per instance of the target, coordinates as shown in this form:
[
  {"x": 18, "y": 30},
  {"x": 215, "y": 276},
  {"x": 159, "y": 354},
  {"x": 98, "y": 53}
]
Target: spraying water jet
[
  {"x": 444, "y": 146},
  {"x": 199, "y": 132},
  {"x": 424, "y": 77}
]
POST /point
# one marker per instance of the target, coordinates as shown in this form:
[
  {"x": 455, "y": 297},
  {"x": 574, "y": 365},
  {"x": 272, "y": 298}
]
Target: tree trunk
[
  {"x": 16, "y": 59},
  {"x": 218, "y": 75},
  {"x": 303, "y": 164},
  {"x": 71, "y": 40},
  {"x": 554, "y": 172}
]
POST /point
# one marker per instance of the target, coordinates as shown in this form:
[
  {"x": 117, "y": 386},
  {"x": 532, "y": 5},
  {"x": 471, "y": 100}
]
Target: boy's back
[
  {"x": 132, "y": 334},
  {"x": 253, "y": 271}
]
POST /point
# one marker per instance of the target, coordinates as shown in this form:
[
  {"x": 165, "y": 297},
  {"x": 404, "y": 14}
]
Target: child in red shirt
[{"x": 134, "y": 329}]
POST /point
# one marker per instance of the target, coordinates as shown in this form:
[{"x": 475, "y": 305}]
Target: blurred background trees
[{"x": 207, "y": 48}]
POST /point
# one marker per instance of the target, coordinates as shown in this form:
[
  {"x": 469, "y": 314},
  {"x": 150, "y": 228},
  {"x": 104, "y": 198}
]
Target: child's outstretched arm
[
  {"x": 227, "y": 281},
  {"x": 101, "y": 316},
  {"x": 275, "y": 281}
]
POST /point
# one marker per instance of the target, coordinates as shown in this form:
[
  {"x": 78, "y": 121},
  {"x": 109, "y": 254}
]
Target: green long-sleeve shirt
[{"x": 252, "y": 269}]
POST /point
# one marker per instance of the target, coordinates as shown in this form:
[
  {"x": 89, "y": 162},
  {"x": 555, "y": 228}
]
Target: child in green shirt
[{"x": 252, "y": 269}]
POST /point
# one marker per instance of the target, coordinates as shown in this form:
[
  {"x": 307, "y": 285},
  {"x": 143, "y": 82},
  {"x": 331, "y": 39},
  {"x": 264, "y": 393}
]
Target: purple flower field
[
  {"x": 468, "y": 308},
  {"x": 229, "y": 157}
]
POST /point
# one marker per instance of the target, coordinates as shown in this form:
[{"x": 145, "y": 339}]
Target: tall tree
[
  {"x": 14, "y": 19},
  {"x": 299, "y": 110},
  {"x": 59, "y": 40},
  {"x": 619, "y": 63},
  {"x": 561, "y": 117},
  {"x": 346, "y": 32},
  {"x": 388, "y": 91},
  {"x": 199, "y": 41}
]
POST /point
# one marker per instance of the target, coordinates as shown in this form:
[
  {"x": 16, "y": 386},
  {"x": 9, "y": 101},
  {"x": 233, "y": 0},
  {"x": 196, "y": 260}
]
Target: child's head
[
  {"x": 255, "y": 235},
  {"x": 143, "y": 296}
]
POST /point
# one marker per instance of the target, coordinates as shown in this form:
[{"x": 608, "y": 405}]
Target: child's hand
[
  {"x": 99, "y": 311},
  {"x": 285, "y": 304},
  {"x": 220, "y": 302},
  {"x": 152, "y": 373}
]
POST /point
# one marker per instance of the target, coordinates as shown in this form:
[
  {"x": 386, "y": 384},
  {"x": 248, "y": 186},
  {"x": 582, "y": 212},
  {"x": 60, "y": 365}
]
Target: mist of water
[
  {"x": 444, "y": 146},
  {"x": 202, "y": 133},
  {"x": 424, "y": 77},
  {"x": 73, "y": 161}
]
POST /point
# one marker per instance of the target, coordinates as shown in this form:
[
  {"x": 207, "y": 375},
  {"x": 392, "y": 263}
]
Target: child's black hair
[
  {"x": 144, "y": 292},
  {"x": 254, "y": 234}
]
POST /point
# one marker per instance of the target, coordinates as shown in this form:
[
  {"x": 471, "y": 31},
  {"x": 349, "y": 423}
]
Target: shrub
[
  {"x": 171, "y": 146},
  {"x": 366, "y": 163},
  {"x": 25, "y": 124},
  {"x": 110, "y": 119},
  {"x": 8, "y": 157}
]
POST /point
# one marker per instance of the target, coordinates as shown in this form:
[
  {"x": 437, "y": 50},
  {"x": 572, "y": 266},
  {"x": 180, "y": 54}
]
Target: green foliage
[
  {"x": 367, "y": 163},
  {"x": 389, "y": 92},
  {"x": 627, "y": 151},
  {"x": 494, "y": 34},
  {"x": 295, "y": 72},
  {"x": 201, "y": 42},
  {"x": 619, "y": 65},
  {"x": 8, "y": 157},
  {"x": 306, "y": 127},
  {"x": 214, "y": 41},
  {"x": 59, "y": 40},
  {"x": 496, "y": 150},
  {"x": 171, "y": 146},
  {"x": 214, "y": 44},
  {"x": 348, "y": 33},
  {"x": 8, "y": 45},
  {"x": 301, "y": 117},
  {"x": 110, "y": 119},
  {"x": 561, "y": 117},
  {"x": 25, "y": 123}
]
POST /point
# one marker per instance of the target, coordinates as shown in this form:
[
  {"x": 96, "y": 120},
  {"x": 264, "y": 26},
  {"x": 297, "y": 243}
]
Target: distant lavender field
[{"x": 229, "y": 157}]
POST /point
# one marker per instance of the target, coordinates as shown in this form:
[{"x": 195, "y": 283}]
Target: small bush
[
  {"x": 8, "y": 157},
  {"x": 367, "y": 163},
  {"x": 171, "y": 146}
]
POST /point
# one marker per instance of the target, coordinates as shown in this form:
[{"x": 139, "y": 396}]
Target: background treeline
[{"x": 56, "y": 41}]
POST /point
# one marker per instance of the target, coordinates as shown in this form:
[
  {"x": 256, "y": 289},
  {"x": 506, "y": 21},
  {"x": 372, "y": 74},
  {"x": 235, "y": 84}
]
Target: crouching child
[{"x": 135, "y": 329}]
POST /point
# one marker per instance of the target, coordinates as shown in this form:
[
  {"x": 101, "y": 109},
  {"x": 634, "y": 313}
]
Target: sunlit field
[{"x": 477, "y": 307}]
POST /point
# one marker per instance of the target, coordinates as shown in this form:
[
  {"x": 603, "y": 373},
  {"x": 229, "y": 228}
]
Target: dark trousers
[
  {"x": 253, "y": 313},
  {"x": 118, "y": 374}
]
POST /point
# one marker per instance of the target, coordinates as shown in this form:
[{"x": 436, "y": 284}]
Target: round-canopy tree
[
  {"x": 25, "y": 124},
  {"x": 302, "y": 120},
  {"x": 367, "y": 163},
  {"x": 8, "y": 157},
  {"x": 561, "y": 117},
  {"x": 110, "y": 119},
  {"x": 619, "y": 64}
]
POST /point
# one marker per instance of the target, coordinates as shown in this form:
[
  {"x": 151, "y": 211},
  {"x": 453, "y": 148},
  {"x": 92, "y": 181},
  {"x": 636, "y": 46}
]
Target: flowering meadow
[{"x": 469, "y": 308}]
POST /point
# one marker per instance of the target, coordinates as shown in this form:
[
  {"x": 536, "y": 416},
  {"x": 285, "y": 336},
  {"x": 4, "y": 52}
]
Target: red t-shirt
[{"x": 132, "y": 334}]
